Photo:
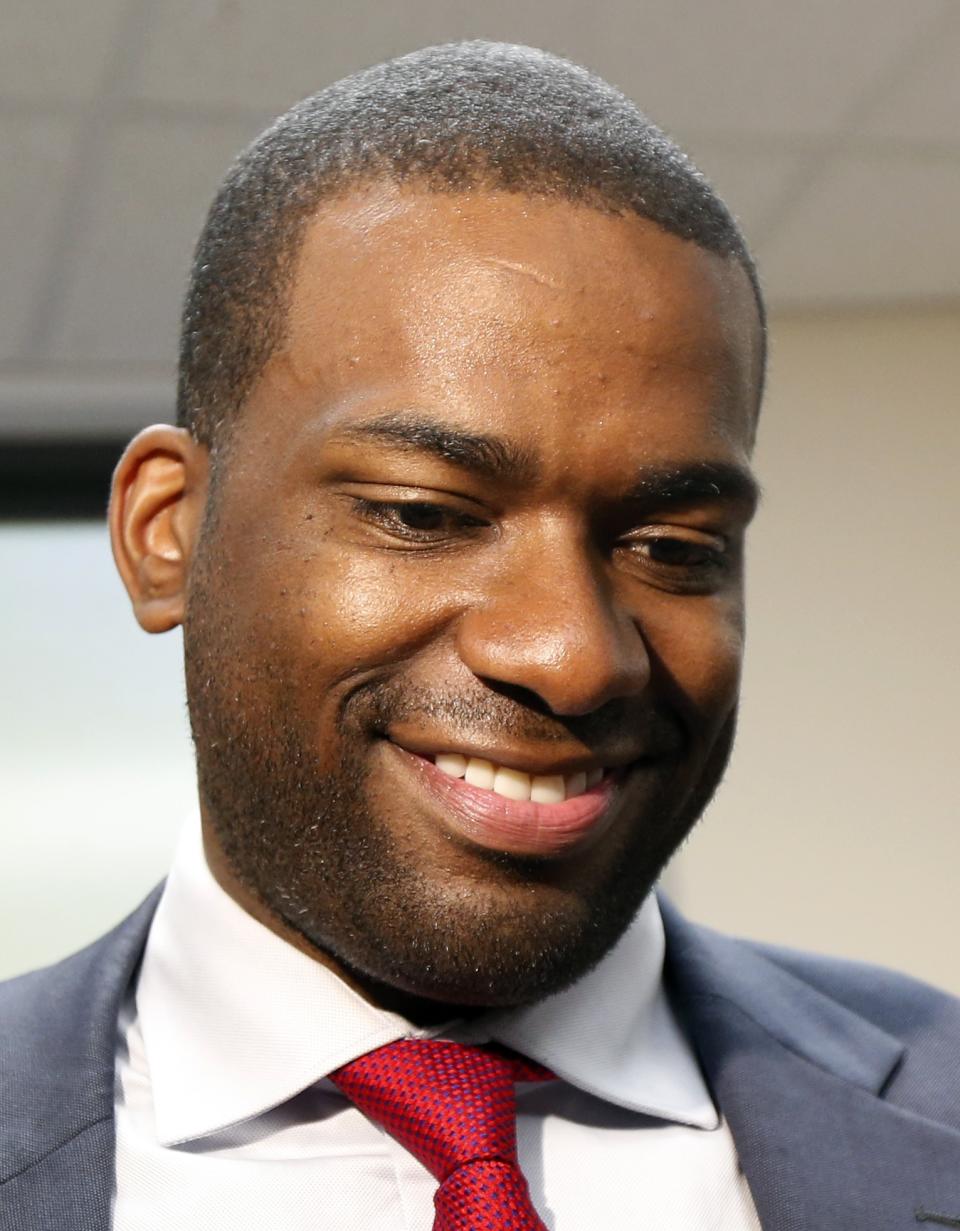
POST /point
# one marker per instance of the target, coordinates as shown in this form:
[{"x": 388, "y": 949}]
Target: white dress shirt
[{"x": 225, "y": 1121}]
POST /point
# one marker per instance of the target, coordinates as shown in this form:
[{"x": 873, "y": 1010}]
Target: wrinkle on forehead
[{"x": 524, "y": 270}]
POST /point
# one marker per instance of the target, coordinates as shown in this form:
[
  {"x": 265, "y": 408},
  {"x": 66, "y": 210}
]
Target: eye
[
  {"x": 687, "y": 560},
  {"x": 418, "y": 521},
  {"x": 680, "y": 553},
  {"x": 421, "y": 517}
]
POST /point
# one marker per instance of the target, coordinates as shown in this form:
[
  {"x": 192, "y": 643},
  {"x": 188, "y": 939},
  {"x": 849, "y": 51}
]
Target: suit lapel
[
  {"x": 57, "y": 1152},
  {"x": 799, "y": 1079}
]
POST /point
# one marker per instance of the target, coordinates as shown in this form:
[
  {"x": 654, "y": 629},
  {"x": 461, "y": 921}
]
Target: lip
[
  {"x": 526, "y": 760},
  {"x": 514, "y": 827}
]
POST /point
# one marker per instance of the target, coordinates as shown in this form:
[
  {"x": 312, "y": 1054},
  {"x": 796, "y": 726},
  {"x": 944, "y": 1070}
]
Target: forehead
[{"x": 497, "y": 304}]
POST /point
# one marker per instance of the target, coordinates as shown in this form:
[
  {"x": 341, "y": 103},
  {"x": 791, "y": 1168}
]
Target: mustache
[{"x": 620, "y": 724}]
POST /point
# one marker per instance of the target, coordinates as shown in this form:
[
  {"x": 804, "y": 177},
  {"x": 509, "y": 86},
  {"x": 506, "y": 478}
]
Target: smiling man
[
  {"x": 464, "y": 622},
  {"x": 454, "y": 523}
]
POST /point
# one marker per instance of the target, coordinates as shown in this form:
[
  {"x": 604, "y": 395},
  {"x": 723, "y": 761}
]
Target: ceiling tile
[
  {"x": 35, "y": 155},
  {"x": 242, "y": 52},
  {"x": 925, "y": 105},
  {"x": 744, "y": 65},
  {"x": 752, "y": 67},
  {"x": 755, "y": 87},
  {"x": 875, "y": 229},
  {"x": 56, "y": 50},
  {"x": 123, "y": 301}
]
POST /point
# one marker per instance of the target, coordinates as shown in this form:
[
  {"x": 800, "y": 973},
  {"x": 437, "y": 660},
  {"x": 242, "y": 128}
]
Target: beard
[{"x": 305, "y": 829}]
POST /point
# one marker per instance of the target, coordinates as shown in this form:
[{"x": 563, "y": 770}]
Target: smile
[{"x": 504, "y": 809}]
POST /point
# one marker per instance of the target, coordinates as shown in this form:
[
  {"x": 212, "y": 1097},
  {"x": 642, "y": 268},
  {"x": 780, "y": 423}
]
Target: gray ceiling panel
[
  {"x": 35, "y": 156},
  {"x": 58, "y": 49},
  {"x": 831, "y": 128},
  {"x": 123, "y": 298},
  {"x": 875, "y": 230}
]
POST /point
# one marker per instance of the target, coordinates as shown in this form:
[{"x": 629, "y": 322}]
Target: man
[{"x": 453, "y": 521}]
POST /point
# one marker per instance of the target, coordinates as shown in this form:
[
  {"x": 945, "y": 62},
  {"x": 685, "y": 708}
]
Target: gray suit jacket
[{"x": 840, "y": 1082}]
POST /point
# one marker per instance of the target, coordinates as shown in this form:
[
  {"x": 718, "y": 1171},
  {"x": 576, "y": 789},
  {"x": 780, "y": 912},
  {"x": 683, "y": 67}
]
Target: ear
[{"x": 156, "y": 507}]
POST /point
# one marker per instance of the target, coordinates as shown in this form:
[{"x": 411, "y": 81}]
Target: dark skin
[{"x": 489, "y": 497}]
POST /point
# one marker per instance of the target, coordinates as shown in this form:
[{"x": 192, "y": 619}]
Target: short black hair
[{"x": 450, "y": 118}]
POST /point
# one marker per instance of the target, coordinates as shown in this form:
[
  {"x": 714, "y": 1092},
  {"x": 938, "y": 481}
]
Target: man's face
[{"x": 482, "y": 512}]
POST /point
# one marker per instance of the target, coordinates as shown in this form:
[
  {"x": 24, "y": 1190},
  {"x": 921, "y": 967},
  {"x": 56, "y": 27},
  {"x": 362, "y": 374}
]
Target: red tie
[{"x": 453, "y": 1108}]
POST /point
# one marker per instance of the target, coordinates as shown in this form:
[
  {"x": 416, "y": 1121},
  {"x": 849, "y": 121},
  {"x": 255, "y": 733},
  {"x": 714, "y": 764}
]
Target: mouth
[
  {"x": 517, "y": 784},
  {"x": 508, "y": 810}
]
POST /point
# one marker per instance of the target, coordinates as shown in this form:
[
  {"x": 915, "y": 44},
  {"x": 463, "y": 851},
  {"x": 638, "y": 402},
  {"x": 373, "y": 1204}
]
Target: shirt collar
[
  {"x": 219, "y": 994},
  {"x": 614, "y": 1033}
]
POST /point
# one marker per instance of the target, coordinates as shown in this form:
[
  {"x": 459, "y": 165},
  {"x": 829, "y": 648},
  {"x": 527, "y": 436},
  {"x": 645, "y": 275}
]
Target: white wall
[
  {"x": 95, "y": 759},
  {"x": 837, "y": 828}
]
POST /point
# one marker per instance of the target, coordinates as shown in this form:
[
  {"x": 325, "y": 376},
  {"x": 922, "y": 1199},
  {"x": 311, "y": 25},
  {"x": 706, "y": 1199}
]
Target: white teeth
[
  {"x": 548, "y": 789},
  {"x": 514, "y": 783},
  {"x": 480, "y": 773},
  {"x": 576, "y": 784},
  {"x": 452, "y": 763},
  {"x": 511, "y": 783}
]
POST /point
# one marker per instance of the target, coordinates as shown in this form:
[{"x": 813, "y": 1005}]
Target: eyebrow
[
  {"x": 492, "y": 457},
  {"x": 663, "y": 484},
  {"x": 688, "y": 483}
]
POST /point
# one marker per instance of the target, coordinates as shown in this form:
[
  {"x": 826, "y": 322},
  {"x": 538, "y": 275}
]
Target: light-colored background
[{"x": 833, "y": 131}]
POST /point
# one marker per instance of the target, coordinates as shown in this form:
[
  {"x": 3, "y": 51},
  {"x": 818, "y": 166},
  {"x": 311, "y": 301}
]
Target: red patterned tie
[{"x": 453, "y": 1108}]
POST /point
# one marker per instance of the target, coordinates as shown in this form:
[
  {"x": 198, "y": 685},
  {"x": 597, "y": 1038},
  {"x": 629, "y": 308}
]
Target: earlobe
[{"x": 156, "y": 505}]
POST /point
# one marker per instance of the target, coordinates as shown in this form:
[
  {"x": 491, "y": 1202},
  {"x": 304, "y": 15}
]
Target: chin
[{"x": 463, "y": 946}]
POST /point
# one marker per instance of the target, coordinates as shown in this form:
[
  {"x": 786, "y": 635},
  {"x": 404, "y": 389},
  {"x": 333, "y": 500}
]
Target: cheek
[
  {"x": 354, "y": 613},
  {"x": 700, "y": 649}
]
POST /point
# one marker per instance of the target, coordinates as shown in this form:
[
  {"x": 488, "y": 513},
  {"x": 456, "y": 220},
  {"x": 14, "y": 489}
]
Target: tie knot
[{"x": 447, "y": 1103}]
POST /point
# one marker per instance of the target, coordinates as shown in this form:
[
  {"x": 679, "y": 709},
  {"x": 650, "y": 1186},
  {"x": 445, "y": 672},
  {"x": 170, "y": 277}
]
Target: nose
[{"x": 558, "y": 631}]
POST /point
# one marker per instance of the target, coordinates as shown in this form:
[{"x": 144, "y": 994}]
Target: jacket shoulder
[
  {"x": 30, "y": 1002},
  {"x": 923, "y": 1018},
  {"x": 897, "y": 1002},
  {"x": 57, "y": 1042}
]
